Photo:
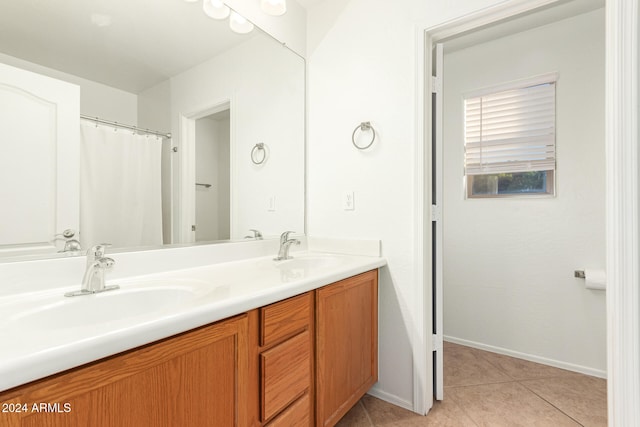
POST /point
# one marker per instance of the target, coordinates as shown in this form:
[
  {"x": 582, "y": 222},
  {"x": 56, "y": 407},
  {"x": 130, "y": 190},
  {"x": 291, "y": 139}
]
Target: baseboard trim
[
  {"x": 530, "y": 357},
  {"x": 393, "y": 399}
]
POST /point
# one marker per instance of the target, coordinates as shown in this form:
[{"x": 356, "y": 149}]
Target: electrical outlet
[
  {"x": 348, "y": 202},
  {"x": 272, "y": 204}
]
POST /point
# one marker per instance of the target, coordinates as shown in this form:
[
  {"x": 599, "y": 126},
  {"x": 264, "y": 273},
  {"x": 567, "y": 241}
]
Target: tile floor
[{"x": 488, "y": 389}]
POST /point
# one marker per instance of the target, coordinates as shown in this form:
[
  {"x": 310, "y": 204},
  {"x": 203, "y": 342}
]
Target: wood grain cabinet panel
[
  {"x": 284, "y": 318},
  {"x": 199, "y": 378},
  {"x": 346, "y": 345},
  {"x": 296, "y": 415},
  {"x": 282, "y": 361},
  {"x": 286, "y": 372}
]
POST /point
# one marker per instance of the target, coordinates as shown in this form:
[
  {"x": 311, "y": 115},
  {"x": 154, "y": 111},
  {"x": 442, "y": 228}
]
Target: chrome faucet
[
  {"x": 285, "y": 243},
  {"x": 257, "y": 235},
  {"x": 93, "y": 279},
  {"x": 70, "y": 244}
]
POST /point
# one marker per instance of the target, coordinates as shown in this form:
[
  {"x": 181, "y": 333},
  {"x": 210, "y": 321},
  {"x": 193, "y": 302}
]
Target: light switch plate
[{"x": 348, "y": 202}]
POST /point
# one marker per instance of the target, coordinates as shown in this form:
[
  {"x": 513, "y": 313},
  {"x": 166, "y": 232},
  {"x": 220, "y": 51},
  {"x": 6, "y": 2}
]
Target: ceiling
[
  {"x": 130, "y": 45},
  {"x": 307, "y": 3}
]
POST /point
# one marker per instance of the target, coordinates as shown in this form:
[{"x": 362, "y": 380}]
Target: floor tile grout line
[
  {"x": 366, "y": 413},
  {"x": 486, "y": 359},
  {"x": 507, "y": 382},
  {"x": 550, "y": 377},
  {"x": 543, "y": 377},
  {"x": 475, "y": 385},
  {"x": 494, "y": 365},
  {"x": 503, "y": 371},
  {"x": 550, "y": 403},
  {"x": 464, "y": 411}
]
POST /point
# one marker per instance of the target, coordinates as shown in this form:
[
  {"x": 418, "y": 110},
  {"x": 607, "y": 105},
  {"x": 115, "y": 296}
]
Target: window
[{"x": 510, "y": 140}]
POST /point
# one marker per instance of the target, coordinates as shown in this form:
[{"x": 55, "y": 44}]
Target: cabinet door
[
  {"x": 347, "y": 345},
  {"x": 195, "y": 379}
]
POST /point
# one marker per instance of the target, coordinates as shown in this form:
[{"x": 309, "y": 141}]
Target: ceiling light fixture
[
  {"x": 274, "y": 7},
  {"x": 215, "y": 9},
  {"x": 239, "y": 23}
]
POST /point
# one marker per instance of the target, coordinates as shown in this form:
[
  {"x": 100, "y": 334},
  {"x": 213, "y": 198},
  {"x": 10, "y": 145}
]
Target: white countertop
[{"x": 37, "y": 342}]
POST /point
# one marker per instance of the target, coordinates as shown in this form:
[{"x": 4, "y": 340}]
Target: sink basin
[
  {"x": 64, "y": 312},
  {"x": 313, "y": 262}
]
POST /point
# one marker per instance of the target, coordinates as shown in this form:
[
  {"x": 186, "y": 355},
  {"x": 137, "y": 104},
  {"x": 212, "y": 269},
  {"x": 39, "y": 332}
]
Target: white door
[
  {"x": 39, "y": 161},
  {"x": 436, "y": 218}
]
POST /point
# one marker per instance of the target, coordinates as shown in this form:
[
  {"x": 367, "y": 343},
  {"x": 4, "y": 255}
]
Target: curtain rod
[{"x": 120, "y": 125}]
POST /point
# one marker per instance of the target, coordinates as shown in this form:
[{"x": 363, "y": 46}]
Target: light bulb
[
  {"x": 240, "y": 24},
  {"x": 215, "y": 9},
  {"x": 274, "y": 7}
]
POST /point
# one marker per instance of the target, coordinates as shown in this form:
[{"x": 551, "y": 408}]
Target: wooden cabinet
[
  {"x": 286, "y": 374},
  {"x": 297, "y": 414},
  {"x": 283, "y": 362},
  {"x": 199, "y": 378},
  {"x": 303, "y": 361},
  {"x": 346, "y": 345}
]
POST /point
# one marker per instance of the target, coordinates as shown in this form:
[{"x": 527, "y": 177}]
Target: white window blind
[{"x": 511, "y": 131}]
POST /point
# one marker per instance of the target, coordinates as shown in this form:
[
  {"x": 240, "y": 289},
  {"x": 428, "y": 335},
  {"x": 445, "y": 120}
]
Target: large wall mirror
[{"x": 143, "y": 124}]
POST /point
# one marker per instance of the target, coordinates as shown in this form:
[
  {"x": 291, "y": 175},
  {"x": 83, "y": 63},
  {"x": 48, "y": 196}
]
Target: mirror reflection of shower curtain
[{"x": 120, "y": 187}]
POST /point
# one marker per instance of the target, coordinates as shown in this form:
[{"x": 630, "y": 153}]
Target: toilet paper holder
[{"x": 579, "y": 274}]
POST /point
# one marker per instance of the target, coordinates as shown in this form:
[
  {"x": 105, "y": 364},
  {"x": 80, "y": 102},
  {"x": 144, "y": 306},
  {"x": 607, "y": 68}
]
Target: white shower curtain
[{"x": 120, "y": 187}]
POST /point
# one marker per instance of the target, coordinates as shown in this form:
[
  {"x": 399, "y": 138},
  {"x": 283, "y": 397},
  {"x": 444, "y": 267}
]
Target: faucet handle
[
  {"x": 66, "y": 234},
  {"x": 257, "y": 235},
  {"x": 285, "y": 236},
  {"x": 106, "y": 262},
  {"x": 98, "y": 251}
]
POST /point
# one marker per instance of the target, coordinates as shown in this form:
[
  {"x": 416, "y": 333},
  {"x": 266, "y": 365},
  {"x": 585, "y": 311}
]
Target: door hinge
[
  {"x": 193, "y": 228},
  {"x": 436, "y": 84},
  {"x": 436, "y": 343},
  {"x": 436, "y": 213}
]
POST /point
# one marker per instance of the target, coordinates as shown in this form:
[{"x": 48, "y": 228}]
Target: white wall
[
  {"x": 264, "y": 83},
  {"x": 96, "y": 99},
  {"x": 154, "y": 107},
  {"x": 212, "y": 207},
  {"x": 362, "y": 66},
  {"x": 508, "y": 263}
]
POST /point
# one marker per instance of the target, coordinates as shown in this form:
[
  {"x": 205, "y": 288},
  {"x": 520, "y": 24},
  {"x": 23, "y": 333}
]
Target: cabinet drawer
[
  {"x": 298, "y": 414},
  {"x": 284, "y": 318},
  {"x": 286, "y": 374}
]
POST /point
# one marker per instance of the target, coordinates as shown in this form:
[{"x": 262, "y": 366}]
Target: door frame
[
  {"x": 622, "y": 188},
  {"x": 186, "y": 212}
]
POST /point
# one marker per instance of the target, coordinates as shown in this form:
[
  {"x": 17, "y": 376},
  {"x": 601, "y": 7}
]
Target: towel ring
[
  {"x": 255, "y": 152},
  {"x": 363, "y": 127}
]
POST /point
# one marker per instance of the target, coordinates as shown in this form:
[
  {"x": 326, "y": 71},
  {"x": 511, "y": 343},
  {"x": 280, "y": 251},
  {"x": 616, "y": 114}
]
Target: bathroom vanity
[{"x": 303, "y": 359}]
